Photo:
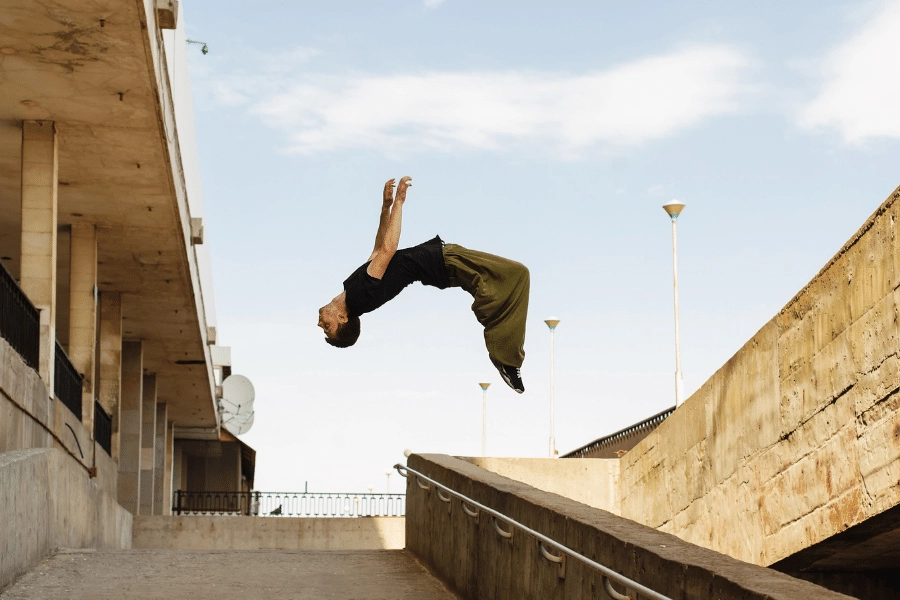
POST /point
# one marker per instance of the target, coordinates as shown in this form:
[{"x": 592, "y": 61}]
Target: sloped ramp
[{"x": 226, "y": 575}]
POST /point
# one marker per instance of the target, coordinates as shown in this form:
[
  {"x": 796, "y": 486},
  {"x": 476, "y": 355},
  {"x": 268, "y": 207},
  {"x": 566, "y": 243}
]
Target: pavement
[{"x": 196, "y": 575}]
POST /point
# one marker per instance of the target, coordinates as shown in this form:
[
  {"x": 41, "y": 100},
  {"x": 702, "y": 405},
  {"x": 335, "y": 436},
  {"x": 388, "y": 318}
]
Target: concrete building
[{"x": 108, "y": 356}]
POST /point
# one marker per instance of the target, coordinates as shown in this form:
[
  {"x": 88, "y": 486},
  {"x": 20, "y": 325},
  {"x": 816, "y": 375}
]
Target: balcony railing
[
  {"x": 102, "y": 428},
  {"x": 289, "y": 504},
  {"x": 67, "y": 382},
  {"x": 20, "y": 321}
]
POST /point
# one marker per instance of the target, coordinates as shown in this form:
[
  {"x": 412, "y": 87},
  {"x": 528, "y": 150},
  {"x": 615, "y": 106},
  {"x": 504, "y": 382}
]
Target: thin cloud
[
  {"x": 432, "y": 3},
  {"x": 627, "y": 105},
  {"x": 861, "y": 84}
]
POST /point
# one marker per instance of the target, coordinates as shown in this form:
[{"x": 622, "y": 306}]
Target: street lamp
[
  {"x": 673, "y": 209},
  {"x": 484, "y": 387},
  {"x": 552, "y": 322},
  {"x": 388, "y": 475}
]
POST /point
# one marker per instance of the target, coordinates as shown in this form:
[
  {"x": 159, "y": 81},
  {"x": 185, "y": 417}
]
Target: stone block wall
[
  {"x": 477, "y": 563},
  {"x": 593, "y": 481},
  {"x": 797, "y": 436},
  {"x": 217, "y": 533},
  {"x": 48, "y": 498},
  {"x": 47, "y": 502}
]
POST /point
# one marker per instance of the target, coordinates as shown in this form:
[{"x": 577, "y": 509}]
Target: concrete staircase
[{"x": 223, "y": 575}]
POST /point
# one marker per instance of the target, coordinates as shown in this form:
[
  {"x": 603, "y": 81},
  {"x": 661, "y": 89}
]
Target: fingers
[{"x": 389, "y": 190}]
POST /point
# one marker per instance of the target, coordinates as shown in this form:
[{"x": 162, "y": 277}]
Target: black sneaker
[{"x": 510, "y": 375}]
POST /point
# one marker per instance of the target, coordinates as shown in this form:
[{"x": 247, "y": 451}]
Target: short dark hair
[{"x": 346, "y": 334}]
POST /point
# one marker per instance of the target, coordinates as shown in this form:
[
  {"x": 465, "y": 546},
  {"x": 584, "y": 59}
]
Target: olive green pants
[{"x": 500, "y": 288}]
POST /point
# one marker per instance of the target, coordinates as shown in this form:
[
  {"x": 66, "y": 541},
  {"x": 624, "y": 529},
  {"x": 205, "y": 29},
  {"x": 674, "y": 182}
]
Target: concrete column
[
  {"x": 111, "y": 361},
  {"x": 39, "y": 204},
  {"x": 159, "y": 459},
  {"x": 148, "y": 439},
  {"x": 83, "y": 314},
  {"x": 130, "y": 410},
  {"x": 169, "y": 476}
]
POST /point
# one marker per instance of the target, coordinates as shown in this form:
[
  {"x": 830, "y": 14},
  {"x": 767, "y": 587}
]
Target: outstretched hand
[
  {"x": 405, "y": 182},
  {"x": 389, "y": 192}
]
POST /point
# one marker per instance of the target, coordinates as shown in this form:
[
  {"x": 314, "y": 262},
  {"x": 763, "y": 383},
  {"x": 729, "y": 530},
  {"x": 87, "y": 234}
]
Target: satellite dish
[
  {"x": 236, "y": 405},
  {"x": 238, "y": 424}
]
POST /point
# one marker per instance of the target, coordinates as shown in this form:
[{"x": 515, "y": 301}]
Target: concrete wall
[
  {"x": 47, "y": 502},
  {"x": 478, "y": 564},
  {"x": 797, "y": 437},
  {"x": 268, "y": 533},
  {"x": 28, "y": 415},
  {"x": 48, "y": 499},
  {"x": 591, "y": 481}
]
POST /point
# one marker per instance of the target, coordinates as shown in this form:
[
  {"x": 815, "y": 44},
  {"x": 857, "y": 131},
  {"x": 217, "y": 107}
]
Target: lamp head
[
  {"x": 484, "y": 386},
  {"x": 673, "y": 208},
  {"x": 552, "y": 322}
]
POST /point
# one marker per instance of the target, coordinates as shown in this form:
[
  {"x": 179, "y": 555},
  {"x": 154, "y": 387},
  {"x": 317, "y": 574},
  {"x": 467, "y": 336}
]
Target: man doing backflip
[{"x": 499, "y": 287}]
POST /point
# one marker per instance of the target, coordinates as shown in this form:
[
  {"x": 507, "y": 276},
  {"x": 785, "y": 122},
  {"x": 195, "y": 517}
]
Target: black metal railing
[
  {"x": 618, "y": 438},
  {"x": 102, "y": 428},
  {"x": 289, "y": 504},
  {"x": 67, "y": 382},
  {"x": 20, "y": 321}
]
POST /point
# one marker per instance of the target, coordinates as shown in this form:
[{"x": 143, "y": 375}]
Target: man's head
[{"x": 341, "y": 329}]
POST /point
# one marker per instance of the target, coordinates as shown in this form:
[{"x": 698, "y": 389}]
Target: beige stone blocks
[
  {"x": 39, "y": 230},
  {"x": 878, "y": 452},
  {"x": 148, "y": 440},
  {"x": 83, "y": 312},
  {"x": 110, "y": 357},
  {"x": 169, "y": 484},
  {"x": 160, "y": 496},
  {"x": 797, "y": 437},
  {"x": 130, "y": 411}
]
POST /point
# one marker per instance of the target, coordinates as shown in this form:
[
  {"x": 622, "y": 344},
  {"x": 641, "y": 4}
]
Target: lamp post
[
  {"x": 552, "y": 322},
  {"x": 673, "y": 209},
  {"x": 484, "y": 388},
  {"x": 388, "y": 475}
]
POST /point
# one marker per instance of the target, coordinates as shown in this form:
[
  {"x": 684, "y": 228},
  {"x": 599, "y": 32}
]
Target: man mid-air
[{"x": 499, "y": 286}]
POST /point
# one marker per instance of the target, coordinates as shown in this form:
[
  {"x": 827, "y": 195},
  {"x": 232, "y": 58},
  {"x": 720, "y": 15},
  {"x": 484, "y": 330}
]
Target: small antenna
[{"x": 203, "y": 47}]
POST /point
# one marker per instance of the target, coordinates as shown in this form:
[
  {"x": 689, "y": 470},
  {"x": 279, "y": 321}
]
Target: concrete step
[{"x": 223, "y": 575}]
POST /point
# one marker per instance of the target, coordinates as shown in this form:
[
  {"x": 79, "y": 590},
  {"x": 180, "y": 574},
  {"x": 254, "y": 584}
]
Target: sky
[{"x": 549, "y": 133}]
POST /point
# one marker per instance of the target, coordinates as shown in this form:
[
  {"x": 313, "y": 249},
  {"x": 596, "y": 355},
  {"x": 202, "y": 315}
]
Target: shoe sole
[{"x": 506, "y": 378}]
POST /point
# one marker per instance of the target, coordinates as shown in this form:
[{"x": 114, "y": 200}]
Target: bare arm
[
  {"x": 383, "y": 253},
  {"x": 385, "y": 215}
]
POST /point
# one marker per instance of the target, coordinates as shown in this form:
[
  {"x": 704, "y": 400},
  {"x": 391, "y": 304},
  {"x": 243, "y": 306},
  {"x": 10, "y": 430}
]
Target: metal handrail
[
  {"x": 102, "y": 428},
  {"x": 67, "y": 381},
  {"x": 20, "y": 321},
  {"x": 606, "y": 571}
]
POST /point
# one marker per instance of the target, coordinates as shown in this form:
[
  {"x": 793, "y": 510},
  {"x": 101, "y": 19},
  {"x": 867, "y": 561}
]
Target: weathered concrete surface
[
  {"x": 268, "y": 533},
  {"x": 479, "y": 564},
  {"x": 28, "y": 414},
  {"x": 47, "y": 498},
  {"x": 48, "y": 502},
  {"x": 591, "y": 481},
  {"x": 797, "y": 437},
  {"x": 169, "y": 574},
  {"x": 107, "y": 87}
]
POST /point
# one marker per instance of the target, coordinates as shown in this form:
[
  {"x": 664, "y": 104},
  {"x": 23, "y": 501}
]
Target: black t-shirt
[{"x": 424, "y": 263}]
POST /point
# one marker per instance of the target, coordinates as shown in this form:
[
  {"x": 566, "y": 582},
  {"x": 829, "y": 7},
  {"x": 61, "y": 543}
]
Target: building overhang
[{"x": 98, "y": 70}]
